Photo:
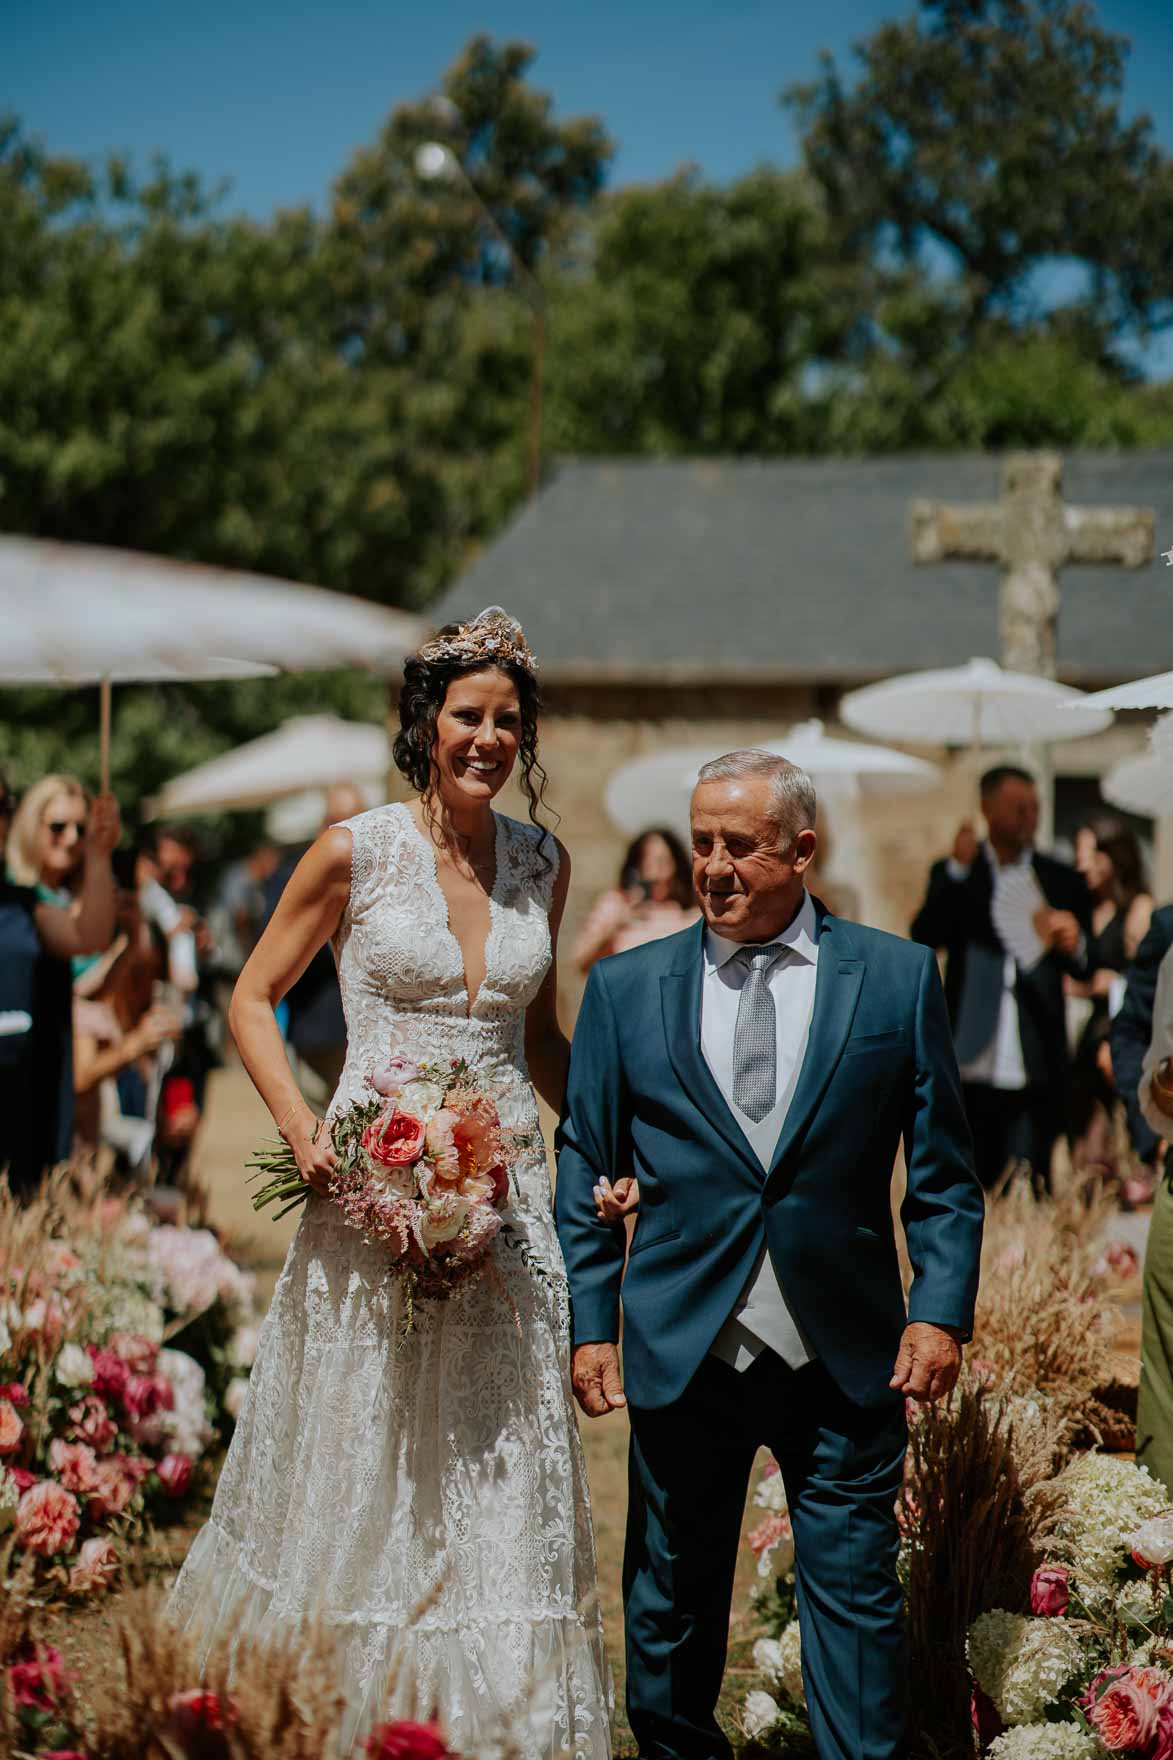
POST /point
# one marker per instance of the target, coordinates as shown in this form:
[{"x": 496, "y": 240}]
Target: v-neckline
[{"x": 470, "y": 1001}]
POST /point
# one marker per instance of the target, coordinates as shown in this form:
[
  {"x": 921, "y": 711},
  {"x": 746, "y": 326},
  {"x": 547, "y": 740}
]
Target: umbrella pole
[{"x": 104, "y": 734}]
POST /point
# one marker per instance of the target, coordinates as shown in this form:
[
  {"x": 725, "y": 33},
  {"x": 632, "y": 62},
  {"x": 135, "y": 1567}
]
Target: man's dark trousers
[{"x": 690, "y": 1467}]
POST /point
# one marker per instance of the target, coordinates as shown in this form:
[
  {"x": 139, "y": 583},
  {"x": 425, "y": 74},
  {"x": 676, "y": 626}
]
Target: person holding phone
[{"x": 654, "y": 898}]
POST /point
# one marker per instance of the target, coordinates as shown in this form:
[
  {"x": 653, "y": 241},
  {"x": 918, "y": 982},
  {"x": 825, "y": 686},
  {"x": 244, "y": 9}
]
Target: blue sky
[{"x": 274, "y": 95}]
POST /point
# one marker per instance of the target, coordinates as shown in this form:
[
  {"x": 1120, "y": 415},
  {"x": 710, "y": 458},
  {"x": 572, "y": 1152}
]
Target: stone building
[{"x": 719, "y": 601}]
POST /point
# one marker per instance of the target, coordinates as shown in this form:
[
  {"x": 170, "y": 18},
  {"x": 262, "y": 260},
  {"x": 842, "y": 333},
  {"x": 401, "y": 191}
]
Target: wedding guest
[
  {"x": 1154, "y": 1098},
  {"x": 1131, "y": 1031},
  {"x": 46, "y": 843},
  {"x": 654, "y": 898},
  {"x": 1013, "y": 924},
  {"x": 38, "y": 942},
  {"x": 1108, "y": 855}
]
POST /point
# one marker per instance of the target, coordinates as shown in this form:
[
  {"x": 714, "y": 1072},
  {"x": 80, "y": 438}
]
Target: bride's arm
[
  {"x": 547, "y": 1049},
  {"x": 307, "y": 914}
]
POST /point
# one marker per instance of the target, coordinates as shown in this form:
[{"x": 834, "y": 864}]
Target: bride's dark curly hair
[{"x": 426, "y": 684}]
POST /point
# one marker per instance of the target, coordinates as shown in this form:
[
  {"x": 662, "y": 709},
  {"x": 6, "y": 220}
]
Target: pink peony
[
  {"x": 443, "y": 1151},
  {"x": 91, "y": 1422},
  {"x": 408, "y": 1741},
  {"x": 174, "y": 1472},
  {"x": 96, "y": 1567},
  {"x": 478, "y": 1134},
  {"x": 47, "y": 1518},
  {"x": 196, "y": 1712},
  {"x": 1125, "y": 1714},
  {"x": 1049, "y": 1591},
  {"x": 37, "y": 1679},
  {"x": 394, "y": 1139},
  {"x": 110, "y": 1373},
  {"x": 113, "y": 1491},
  {"x": 138, "y": 1353},
  {"x": 390, "y": 1082},
  {"x": 75, "y": 1464},
  {"x": 11, "y": 1428}
]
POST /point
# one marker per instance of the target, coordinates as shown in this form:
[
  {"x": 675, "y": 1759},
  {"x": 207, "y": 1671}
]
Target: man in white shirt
[{"x": 756, "y": 1074}]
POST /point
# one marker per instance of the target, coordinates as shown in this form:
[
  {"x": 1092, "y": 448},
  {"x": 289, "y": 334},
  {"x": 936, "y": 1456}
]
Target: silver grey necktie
[{"x": 755, "y": 1037}]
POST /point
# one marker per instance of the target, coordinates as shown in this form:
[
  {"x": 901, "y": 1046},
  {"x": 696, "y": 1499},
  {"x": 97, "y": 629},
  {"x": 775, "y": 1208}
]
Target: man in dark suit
[
  {"x": 756, "y": 1074},
  {"x": 1012, "y": 923},
  {"x": 1132, "y": 1029}
]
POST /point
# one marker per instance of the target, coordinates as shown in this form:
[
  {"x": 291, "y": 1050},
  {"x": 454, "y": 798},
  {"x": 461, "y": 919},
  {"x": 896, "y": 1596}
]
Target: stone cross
[{"x": 1032, "y": 533}]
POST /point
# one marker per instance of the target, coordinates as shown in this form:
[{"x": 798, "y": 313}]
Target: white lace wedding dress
[{"x": 365, "y": 1469}]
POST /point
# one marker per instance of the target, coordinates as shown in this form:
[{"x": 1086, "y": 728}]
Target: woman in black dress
[
  {"x": 1108, "y": 855},
  {"x": 37, "y": 943}
]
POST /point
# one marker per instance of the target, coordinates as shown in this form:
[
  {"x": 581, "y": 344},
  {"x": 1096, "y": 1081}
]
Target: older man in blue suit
[{"x": 756, "y": 1075}]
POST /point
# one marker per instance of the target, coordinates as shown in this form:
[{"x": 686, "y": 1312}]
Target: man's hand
[
  {"x": 598, "y": 1385},
  {"x": 965, "y": 845},
  {"x": 1062, "y": 931},
  {"x": 927, "y": 1363}
]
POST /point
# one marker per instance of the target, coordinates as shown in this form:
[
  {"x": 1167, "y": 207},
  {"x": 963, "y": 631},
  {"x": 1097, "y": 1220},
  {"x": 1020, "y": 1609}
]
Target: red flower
[
  {"x": 985, "y": 1717},
  {"x": 110, "y": 1373},
  {"x": 14, "y": 1392},
  {"x": 1049, "y": 1591},
  {"x": 37, "y": 1680},
  {"x": 20, "y": 1478},
  {"x": 174, "y": 1472},
  {"x": 145, "y": 1394},
  {"x": 408, "y": 1741},
  {"x": 197, "y": 1712}
]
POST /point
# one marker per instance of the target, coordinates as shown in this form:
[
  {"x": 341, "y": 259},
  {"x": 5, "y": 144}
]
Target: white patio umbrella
[
  {"x": 1144, "y": 784},
  {"x": 1143, "y": 693},
  {"x": 74, "y": 614},
  {"x": 975, "y": 705},
  {"x": 309, "y": 752},
  {"x": 658, "y": 788}
]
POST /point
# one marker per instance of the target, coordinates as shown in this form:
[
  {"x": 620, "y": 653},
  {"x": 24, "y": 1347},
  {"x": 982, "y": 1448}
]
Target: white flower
[
  {"x": 761, "y": 1713},
  {"x": 5, "y": 1336},
  {"x": 9, "y": 1498},
  {"x": 767, "y": 1656},
  {"x": 422, "y": 1099},
  {"x": 242, "y": 1352},
  {"x": 1106, "y": 1500},
  {"x": 790, "y": 1662},
  {"x": 1044, "y": 1741},
  {"x": 73, "y": 1367},
  {"x": 234, "y": 1396},
  {"x": 771, "y": 1493},
  {"x": 1154, "y": 1539},
  {"x": 187, "y": 1424},
  {"x": 1022, "y": 1664}
]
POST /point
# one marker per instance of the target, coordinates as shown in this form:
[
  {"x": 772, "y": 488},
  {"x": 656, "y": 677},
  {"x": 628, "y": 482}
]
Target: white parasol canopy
[
  {"x": 1143, "y": 693},
  {"x": 658, "y": 788},
  {"x": 309, "y": 752},
  {"x": 74, "y": 614},
  {"x": 978, "y": 704},
  {"x": 1144, "y": 784}
]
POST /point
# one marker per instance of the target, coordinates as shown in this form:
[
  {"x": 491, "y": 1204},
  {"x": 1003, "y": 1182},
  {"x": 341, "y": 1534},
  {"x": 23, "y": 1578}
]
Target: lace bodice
[{"x": 401, "y": 968}]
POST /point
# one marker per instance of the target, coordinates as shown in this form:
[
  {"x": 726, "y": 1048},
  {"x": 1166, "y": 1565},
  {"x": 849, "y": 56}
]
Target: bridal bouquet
[{"x": 423, "y": 1169}]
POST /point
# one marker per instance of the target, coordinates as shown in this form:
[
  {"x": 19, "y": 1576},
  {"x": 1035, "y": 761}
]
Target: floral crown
[{"x": 493, "y": 635}]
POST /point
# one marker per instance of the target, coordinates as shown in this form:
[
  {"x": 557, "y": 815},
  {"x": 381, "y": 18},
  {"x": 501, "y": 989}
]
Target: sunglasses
[{"x": 58, "y": 827}]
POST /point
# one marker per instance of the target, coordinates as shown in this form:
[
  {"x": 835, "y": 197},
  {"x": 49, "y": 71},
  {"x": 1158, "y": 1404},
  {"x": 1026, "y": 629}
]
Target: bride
[{"x": 371, "y": 1474}]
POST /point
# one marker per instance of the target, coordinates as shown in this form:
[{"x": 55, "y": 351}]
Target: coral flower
[
  {"x": 394, "y": 1139},
  {"x": 47, "y": 1518},
  {"x": 11, "y": 1428},
  {"x": 443, "y": 1151}
]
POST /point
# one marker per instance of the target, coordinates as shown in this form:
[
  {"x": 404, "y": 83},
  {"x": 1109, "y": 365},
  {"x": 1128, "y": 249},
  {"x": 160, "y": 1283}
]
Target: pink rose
[
  {"x": 408, "y": 1741},
  {"x": 1049, "y": 1591},
  {"x": 110, "y": 1373},
  {"x": 394, "y": 1139},
  {"x": 1125, "y": 1714},
  {"x": 1162, "y": 1748},
  {"x": 91, "y": 1422},
  {"x": 174, "y": 1472},
  {"x": 11, "y": 1428},
  {"x": 391, "y": 1081},
  {"x": 442, "y": 1147},
  {"x": 144, "y": 1395},
  {"x": 138, "y": 1353},
  {"x": 47, "y": 1518},
  {"x": 197, "y": 1712},
  {"x": 37, "y": 1679},
  {"x": 112, "y": 1492},
  {"x": 96, "y": 1567},
  {"x": 75, "y": 1464}
]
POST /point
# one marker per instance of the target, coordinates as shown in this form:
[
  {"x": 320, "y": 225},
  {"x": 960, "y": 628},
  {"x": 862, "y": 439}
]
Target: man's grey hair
[{"x": 792, "y": 793}]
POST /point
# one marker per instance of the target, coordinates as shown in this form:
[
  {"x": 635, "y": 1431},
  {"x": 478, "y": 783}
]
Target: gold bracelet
[{"x": 281, "y": 1126}]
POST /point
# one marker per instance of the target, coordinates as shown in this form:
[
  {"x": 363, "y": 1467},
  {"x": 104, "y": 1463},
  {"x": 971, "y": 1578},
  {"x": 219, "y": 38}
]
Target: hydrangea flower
[
  {"x": 1107, "y": 1500},
  {"x": 760, "y": 1714},
  {"x": 1044, "y": 1741},
  {"x": 1022, "y": 1664}
]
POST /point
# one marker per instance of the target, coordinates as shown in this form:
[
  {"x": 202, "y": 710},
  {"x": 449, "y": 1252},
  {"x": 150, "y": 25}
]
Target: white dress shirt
[
  {"x": 761, "y": 1318},
  {"x": 1160, "y": 1047}
]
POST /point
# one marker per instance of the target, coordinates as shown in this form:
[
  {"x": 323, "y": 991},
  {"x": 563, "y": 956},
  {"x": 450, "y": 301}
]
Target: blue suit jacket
[{"x": 641, "y": 1100}]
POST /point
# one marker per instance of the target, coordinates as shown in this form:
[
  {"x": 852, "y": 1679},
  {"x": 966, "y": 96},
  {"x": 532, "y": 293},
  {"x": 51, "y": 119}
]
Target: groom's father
[{"x": 756, "y": 1074}]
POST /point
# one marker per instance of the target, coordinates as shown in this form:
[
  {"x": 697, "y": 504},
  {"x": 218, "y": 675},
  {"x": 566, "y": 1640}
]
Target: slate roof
[{"x": 798, "y": 570}]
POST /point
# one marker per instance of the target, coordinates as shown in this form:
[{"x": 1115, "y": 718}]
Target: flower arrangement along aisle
[
  {"x": 103, "y": 1420},
  {"x": 423, "y": 1171}
]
